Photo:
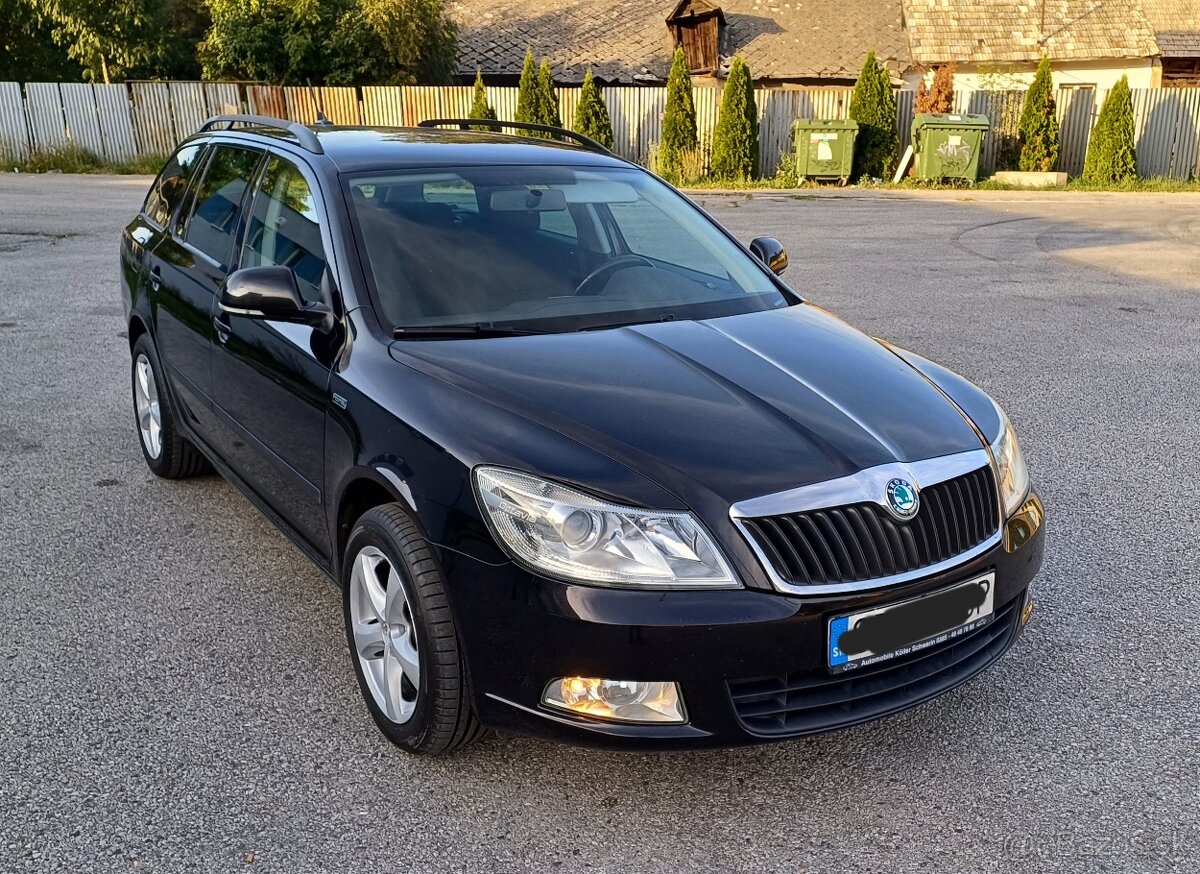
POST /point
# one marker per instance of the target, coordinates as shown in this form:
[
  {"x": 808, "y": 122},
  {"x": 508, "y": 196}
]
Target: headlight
[
  {"x": 571, "y": 535},
  {"x": 1011, "y": 472}
]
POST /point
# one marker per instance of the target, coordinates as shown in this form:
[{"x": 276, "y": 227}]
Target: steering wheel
[{"x": 605, "y": 270}]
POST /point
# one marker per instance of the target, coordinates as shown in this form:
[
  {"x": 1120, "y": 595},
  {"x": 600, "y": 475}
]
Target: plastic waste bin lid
[{"x": 957, "y": 121}]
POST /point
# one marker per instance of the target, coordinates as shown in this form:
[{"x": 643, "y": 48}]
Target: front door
[{"x": 270, "y": 388}]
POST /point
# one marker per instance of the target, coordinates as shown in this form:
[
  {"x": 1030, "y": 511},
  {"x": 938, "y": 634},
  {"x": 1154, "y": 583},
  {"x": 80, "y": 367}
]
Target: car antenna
[{"x": 316, "y": 98}]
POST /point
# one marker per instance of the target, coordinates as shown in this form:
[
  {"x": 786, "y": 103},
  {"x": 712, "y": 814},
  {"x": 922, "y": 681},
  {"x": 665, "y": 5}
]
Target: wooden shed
[{"x": 696, "y": 25}]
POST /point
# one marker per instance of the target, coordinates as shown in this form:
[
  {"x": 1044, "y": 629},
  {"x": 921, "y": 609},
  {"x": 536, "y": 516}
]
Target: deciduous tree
[
  {"x": 28, "y": 52},
  {"x": 346, "y": 42},
  {"x": 419, "y": 39},
  {"x": 940, "y": 98},
  {"x": 106, "y": 38}
]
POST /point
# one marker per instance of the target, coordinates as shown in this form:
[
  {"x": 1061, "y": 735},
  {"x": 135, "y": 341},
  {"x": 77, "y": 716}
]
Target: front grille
[
  {"x": 807, "y": 703},
  {"x": 865, "y": 542}
]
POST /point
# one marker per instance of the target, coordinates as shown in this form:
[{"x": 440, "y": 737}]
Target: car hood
[{"x": 714, "y": 411}]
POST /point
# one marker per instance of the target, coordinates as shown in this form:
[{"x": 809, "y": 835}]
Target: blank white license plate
[{"x": 871, "y": 636}]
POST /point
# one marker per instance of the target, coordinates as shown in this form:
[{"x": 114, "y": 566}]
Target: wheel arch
[
  {"x": 364, "y": 490},
  {"x": 137, "y": 327}
]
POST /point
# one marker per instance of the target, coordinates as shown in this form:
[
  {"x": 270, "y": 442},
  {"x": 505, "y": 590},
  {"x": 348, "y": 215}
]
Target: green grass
[
  {"x": 774, "y": 184},
  {"x": 76, "y": 159},
  {"x": 1153, "y": 184}
]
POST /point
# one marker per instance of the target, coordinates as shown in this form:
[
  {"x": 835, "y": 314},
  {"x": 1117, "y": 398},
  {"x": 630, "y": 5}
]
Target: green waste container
[
  {"x": 824, "y": 148},
  {"x": 947, "y": 146}
]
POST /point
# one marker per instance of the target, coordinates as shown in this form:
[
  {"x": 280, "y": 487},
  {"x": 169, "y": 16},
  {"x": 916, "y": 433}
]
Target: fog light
[
  {"x": 1027, "y": 611},
  {"x": 622, "y": 700}
]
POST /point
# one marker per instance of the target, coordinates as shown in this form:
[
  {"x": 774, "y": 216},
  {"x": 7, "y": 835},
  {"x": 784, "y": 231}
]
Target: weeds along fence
[{"x": 122, "y": 122}]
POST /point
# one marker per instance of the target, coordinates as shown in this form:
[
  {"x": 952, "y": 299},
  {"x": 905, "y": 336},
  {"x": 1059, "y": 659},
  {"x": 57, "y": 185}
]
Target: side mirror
[
  {"x": 270, "y": 294},
  {"x": 770, "y": 251}
]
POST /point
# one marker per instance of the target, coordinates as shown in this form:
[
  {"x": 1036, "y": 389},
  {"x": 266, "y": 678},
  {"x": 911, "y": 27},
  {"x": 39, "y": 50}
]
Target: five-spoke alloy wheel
[
  {"x": 145, "y": 401},
  {"x": 168, "y": 454},
  {"x": 403, "y": 642},
  {"x": 385, "y": 640}
]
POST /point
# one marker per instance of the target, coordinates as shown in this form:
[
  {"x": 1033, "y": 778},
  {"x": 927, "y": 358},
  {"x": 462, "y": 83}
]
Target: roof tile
[
  {"x": 788, "y": 39},
  {"x": 983, "y": 31}
]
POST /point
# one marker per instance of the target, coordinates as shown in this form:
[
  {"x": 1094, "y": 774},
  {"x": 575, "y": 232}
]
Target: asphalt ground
[{"x": 176, "y": 692}]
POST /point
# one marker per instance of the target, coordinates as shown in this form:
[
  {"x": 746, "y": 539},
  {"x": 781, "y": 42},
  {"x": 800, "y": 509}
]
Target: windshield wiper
[{"x": 478, "y": 329}]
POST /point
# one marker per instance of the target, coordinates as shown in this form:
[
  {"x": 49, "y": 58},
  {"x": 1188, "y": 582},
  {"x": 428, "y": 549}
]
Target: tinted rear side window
[
  {"x": 217, "y": 208},
  {"x": 168, "y": 188}
]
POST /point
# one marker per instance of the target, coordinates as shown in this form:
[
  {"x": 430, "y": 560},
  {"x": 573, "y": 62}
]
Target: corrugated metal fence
[{"x": 120, "y": 122}]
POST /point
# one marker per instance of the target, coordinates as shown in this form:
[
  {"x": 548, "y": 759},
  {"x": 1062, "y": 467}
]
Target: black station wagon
[{"x": 582, "y": 464}]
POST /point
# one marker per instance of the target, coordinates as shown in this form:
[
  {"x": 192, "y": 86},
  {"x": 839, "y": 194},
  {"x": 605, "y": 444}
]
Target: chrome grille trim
[{"x": 865, "y": 486}]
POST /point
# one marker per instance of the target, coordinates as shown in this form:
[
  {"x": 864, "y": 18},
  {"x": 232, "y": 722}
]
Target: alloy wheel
[
  {"x": 385, "y": 638},
  {"x": 149, "y": 413}
]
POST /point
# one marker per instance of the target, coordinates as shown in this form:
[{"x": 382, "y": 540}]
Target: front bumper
[{"x": 751, "y": 664}]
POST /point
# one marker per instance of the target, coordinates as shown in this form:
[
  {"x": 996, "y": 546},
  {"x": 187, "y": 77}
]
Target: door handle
[
  {"x": 155, "y": 277},
  {"x": 223, "y": 328}
]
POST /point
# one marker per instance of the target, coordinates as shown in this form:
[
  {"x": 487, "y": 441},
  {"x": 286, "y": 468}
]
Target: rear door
[
  {"x": 153, "y": 223},
  {"x": 189, "y": 266},
  {"x": 270, "y": 379},
  {"x": 143, "y": 252}
]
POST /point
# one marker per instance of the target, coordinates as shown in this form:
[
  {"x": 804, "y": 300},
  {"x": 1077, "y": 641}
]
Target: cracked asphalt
[{"x": 176, "y": 693}]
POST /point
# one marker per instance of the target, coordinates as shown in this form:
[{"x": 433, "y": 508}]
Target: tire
[
  {"x": 407, "y": 629},
  {"x": 167, "y": 453}
]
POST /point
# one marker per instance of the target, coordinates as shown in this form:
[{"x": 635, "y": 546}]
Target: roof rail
[
  {"x": 307, "y": 139},
  {"x": 493, "y": 124}
]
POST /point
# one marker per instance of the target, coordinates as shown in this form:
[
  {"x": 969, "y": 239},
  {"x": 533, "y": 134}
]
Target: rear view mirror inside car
[{"x": 524, "y": 199}]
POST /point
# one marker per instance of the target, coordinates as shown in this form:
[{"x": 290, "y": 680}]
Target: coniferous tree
[
  {"x": 1039, "y": 124},
  {"x": 591, "y": 116},
  {"x": 735, "y": 141},
  {"x": 1111, "y": 155},
  {"x": 548, "y": 97},
  {"x": 529, "y": 96},
  {"x": 873, "y": 106},
  {"x": 679, "y": 119},
  {"x": 480, "y": 108}
]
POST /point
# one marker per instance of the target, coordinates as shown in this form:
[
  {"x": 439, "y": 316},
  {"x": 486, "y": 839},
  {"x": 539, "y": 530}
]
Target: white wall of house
[{"x": 1142, "y": 72}]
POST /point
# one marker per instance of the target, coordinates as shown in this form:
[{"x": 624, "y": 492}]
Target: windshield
[{"x": 545, "y": 249}]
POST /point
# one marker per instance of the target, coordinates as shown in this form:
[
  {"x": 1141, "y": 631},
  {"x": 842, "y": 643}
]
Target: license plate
[{"x": 869, "y": 637}]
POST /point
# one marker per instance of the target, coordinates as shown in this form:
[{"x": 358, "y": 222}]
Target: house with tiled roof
[
  {"x": 1176, "y": 25},
  {"x": 998, "y": 43},
  {"x": 800, "y": 42}
]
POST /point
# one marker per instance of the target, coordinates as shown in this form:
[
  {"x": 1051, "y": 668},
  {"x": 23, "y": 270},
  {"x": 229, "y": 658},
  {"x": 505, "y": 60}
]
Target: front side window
[
  {"x": 217, "y": 205},
  {"x": 546, "y": 249},
  {"x": 641, "y": 224},
  {"x": 168, "y": 188},
  {"x": 284, "y": 229}
]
